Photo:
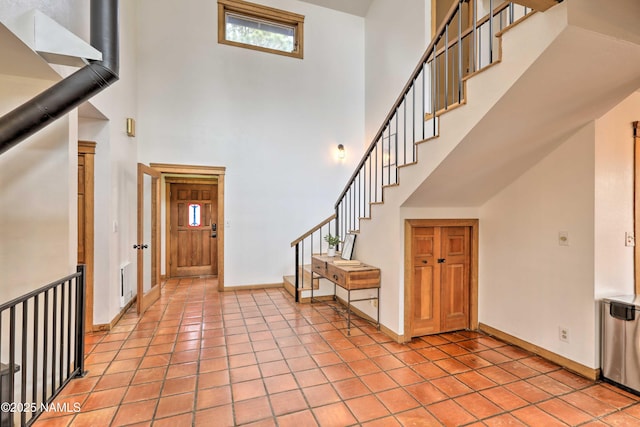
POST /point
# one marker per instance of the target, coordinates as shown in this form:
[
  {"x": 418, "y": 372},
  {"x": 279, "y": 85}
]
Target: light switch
[{"x": 563, "y": 238}]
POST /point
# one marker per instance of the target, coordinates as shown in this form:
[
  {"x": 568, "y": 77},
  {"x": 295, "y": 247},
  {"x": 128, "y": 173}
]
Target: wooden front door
[
  {"x": 193, "y": 229},
  {"x": 440, "y": 265},
  {"x": 148, "y": 245}
]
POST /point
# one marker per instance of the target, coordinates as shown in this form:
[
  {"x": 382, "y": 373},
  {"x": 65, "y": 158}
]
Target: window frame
[{"x": 265, "y": 13}]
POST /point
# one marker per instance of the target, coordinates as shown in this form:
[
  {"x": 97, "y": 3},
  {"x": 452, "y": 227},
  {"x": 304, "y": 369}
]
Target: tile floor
[{"x": 204, "y": 358}]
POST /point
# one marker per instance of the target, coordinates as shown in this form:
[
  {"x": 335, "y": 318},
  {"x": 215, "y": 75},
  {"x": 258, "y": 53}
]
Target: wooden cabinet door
[
  {"x": 194, "y": 223},
  {"x": 454, "y": 300},
  {"x": 426, "y": 283},
  {"x": 440, "y": 286}
]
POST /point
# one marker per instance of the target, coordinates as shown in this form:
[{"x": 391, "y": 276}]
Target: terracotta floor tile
[
  {"x": 389, "y": 421},
  {"x": 527, "y": 391},
  {"x": 337, "y": 372},
  {"x": 326, "y": 359},
  {"x": 478, "y": 405},
  {"x": 351, "y": 388},
  {"x": 367, "y": 408},
  {"x": 184, "y": 420},
  {"x": 248, "y": 390},
  {"x": 572, "y": 380},
  {"x": 134, "y": 412},
  {"x": 504, "y": 420},
  {"x": 80, "y": 385},
  {"x": 301, "y": 363},
  {"x": 588, "y": 404},
  {"x": 450, "y": 413},
  {"x": 363, "y": 367},
  {"x": 404, "y": 376},
  {"x": 473, "y": 361},
  {"x": 310, "y": 377},
  {"x": 429, "y": 370},
  {"x": 280, "y": 383},
  {"x": 425, "y": 393},
  {"x": 608, "y": 396},
  {"x": 378, "y": 382},
  {"x": 475, "y": 381},
  {"x": 175, "y": 404},
  {"x": 498, "y": 375},
  {"x": 252, "y": 410},
  {"x": 245, "y": 373},
  {"x": 417, "y": 417},
  {"x": 451, "y": 366},
  {"x": 222, "y": 414},
  {"x": 303, "y": 418},
  {"x": 287, "y": 402},
  {"x": 320, "y": 395},
  {"x": 397, "y": 400},
  {"x": 101, "y": 417},
  {"x": 533, "y": 416},
  {"x": 336, "y": 414},
  {"x": 451, "y": 386},
  {"x": 114, "y": 381},
  {"x": 388, "y": 362},
  {"x": 179, "y": 385},
  {"x": 564, "y": 412},
  {"x": 518, "y": 369},
  {"x": 143, "y": 391},
  {"x": 104, "y": 399},
  {"x": 503, "y": 398}
]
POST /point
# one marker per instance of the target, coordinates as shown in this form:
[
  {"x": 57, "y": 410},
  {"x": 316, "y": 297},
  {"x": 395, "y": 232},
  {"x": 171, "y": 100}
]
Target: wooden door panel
[
  {"x": 455, "y": 278},
  {"x": 193, "y": 249},
  {"x": 426, "y": 314}
]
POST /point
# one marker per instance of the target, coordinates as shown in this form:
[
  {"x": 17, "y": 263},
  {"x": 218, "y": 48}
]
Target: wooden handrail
[{"x": 313, "y": 230}]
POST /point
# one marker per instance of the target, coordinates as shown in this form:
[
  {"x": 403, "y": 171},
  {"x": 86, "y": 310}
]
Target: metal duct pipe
[{"x": 72, "y": 91}]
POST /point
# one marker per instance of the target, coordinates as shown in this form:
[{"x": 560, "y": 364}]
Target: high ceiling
[{"x": 354, "y": 7}]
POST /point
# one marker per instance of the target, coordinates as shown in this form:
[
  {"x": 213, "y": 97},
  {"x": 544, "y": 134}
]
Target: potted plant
[{"x": 333, "y": 242}]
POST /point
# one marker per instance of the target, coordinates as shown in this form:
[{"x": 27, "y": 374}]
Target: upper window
[{"x": 258, "y": 27}]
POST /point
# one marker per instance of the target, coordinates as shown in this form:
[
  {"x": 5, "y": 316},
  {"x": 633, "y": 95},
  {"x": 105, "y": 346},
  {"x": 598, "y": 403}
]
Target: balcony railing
[{"x": 41, "y": 348}]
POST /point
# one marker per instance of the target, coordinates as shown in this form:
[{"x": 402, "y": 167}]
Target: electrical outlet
[{"x": 563, "y": 334}]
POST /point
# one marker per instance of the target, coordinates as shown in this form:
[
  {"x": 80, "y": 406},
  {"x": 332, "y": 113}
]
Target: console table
[{"x": 349, "y": 278}]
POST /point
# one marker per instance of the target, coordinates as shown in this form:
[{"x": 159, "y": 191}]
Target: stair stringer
[{"x": 381, "y": 239}]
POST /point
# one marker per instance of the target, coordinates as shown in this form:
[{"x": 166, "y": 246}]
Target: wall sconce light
[
  {"x": 340, "y": 151},
  {"x": 131, "y": 127}
]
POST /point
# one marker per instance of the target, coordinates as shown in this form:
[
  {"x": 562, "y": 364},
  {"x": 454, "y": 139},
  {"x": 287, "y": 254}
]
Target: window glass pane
[
  {"x": 258, "y": 32},
  {"x": 194, "y": 215}
]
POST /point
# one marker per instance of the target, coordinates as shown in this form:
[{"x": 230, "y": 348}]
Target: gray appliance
[{"x": 620, "y": 358}]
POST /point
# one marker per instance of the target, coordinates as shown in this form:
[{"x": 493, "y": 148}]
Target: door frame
[
  {"x": 196, "y": 173},
  {"x": 88, "y": 150},
  {"x": 409, "y": 225}
]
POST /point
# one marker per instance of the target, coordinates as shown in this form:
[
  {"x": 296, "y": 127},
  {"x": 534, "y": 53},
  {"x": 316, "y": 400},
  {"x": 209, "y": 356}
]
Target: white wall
[
  {"x": 396, "y": 35},
  {"x": 37, "y": 196},
  {"x": 274, "y": 122},
  {"x": 526, "y": 278},
  {"x": 115, "y": 175},
  {"x": 613, "y": 261}
]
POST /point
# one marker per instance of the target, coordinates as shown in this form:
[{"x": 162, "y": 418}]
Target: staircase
[
  {"x": 483, "y": 105},
  {"x": 436, "y": 86}
]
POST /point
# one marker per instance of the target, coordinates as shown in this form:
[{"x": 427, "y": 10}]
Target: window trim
[{"x": 257, "y": 11}]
